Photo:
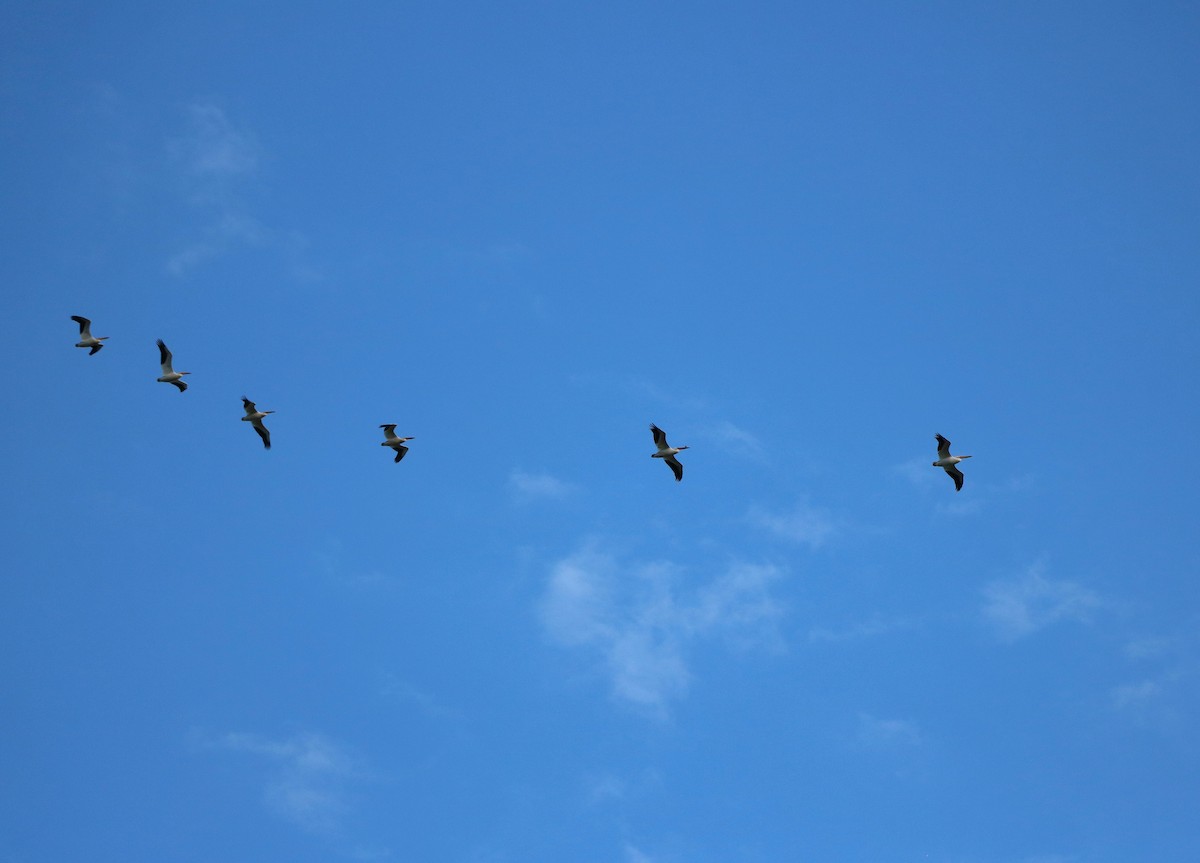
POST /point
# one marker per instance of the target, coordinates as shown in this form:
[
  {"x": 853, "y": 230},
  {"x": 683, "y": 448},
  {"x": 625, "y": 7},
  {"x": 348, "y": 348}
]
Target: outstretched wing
[
  {"x": 389, "y": 431},
  {"x": 262, "y": 433},
  {"x": 401, "y": 451},
  {"x": 85, "y": 326},
  {"x": 95, "y": 348},
  {"x": 180, "y": 384},
  {"x": 956, "y": 474},
  {"x": 249, "y": 406},
  {"x": 660, "y": 436},
  {"x": 164, "y": 356},
  {"x": 943, "y": 447},
  {"x": 675, "y": 466}
]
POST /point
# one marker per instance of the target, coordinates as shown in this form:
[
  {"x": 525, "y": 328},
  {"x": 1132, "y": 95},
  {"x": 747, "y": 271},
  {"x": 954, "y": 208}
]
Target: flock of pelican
[{"x": 254, "y": 416}]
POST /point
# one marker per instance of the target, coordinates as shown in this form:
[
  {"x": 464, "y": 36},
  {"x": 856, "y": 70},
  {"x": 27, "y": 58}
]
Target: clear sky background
[{"x": 802, "y": 238}]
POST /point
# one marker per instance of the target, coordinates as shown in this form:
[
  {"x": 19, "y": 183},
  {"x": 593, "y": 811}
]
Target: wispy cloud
[
  {"x": 960, "y": 506},
  {"x": 640, "y": 620},
  {"x": 1135, "y": 693},
  {"x": 897, "y": 745},
  {"x": 918, "y": 470},
  {"x": 804, "y": 524},
  {"x": 605, "y": 787},
  {"x": 213, "y": 151},
  {"x": 538, "y": 486},
  {"x": 306, "y": 778},
  {"x": 877, "y": 625},
  {"x": 876, "y": 733},
  {"x": 405, "y": 693},
  {"x": 1151, "y": 647},
  {"x": 229, "y": 230},
  {"x": 636, "y": 855},
  {"x": 737, "y": 440},
  {"x": 215, "y": 159},
  {"x": 1021, "y": 606}
]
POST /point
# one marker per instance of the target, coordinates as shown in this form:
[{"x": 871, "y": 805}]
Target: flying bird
[
  {"x": 169, "y": 375},
  {"x": 396, "y": 443},
  {"x": 86, "y": 339},
  {"x": 947, "y": 462},
  {"x": 255, "y": 417},
  {"x": 667, "y": 452}
]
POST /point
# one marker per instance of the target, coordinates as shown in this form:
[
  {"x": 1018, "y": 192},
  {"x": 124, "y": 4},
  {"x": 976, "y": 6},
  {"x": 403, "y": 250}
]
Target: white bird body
[
  {"x": 947, "y": 462},
  {"x": 255, "y": 416},
  {"x": 169, "y": 375},
  {"x": 667, "y": 452},
  {"x": 86, "y": 339},
  {"x": 396, "y": 443}
]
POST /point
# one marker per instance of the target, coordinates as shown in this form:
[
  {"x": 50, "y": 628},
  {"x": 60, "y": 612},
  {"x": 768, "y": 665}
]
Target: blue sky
[{"x": 801, "y": 238}]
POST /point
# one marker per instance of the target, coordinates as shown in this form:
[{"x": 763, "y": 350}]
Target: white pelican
[
  {"x": 947, "y": 462},
  {"x": 255, "y": 417},
  {"x": 667, "y": 452},
  {"x": 169, "y": 375},
  {"x": 86, "y": 339},
  {"x": 396, "y": 443}
]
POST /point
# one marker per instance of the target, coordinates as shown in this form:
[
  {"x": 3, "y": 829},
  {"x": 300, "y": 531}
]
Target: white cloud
[
  {"x": 1021, "y": 606},
  {"x": 641, "y": 621},
  {"x": 306, "y": 779},
  {"x": 804, "y": 524},
  {"x": 530, "y": 486}
]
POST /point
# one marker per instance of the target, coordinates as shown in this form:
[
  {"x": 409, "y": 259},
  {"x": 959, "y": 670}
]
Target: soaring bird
[
  {"x": 169, "y": 375},
  {"x": 947, "y": 462},
  {"x": 255, "y": 417},
  {"x": 667, "y": 452},
  {"x": 396, "y": 443},
  {"x": 86, "y": 339}
]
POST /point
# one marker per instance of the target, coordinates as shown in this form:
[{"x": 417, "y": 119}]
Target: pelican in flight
[
  {"x": 947, "y": 462},
  {"x": 255, "y": 417},
  {"x": 169, "y": 375},
  {"x": 667, "y": 452},
  {"x": 86, "y": 339},
  {"x": 396, "y": 443}
]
